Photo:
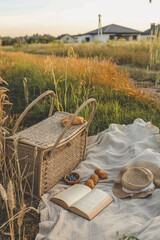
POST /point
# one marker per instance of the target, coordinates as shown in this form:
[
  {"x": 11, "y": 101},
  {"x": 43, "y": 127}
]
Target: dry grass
[
  {"x": 91, "y": 71},
  {"x": 74, "y": 79},
  {"x": 143, "y": 54},
  {"x": 11, "y": 188}
]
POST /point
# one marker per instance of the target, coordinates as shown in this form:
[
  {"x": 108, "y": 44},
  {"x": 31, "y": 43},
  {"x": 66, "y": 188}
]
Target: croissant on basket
[{"x": 76, "y": 121}]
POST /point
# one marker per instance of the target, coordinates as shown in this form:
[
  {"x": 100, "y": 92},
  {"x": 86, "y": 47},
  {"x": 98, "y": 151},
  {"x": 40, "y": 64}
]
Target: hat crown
[
  {"x": 151, "y": 168},
  {"x": 137, "y": 178}
]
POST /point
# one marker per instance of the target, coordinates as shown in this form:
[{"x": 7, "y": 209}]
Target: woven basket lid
[
  {"x": 45, "y": 133},
  {"x": 137, "y": 178}
]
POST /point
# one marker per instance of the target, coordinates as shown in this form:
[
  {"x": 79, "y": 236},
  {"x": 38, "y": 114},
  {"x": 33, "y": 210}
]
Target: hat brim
[
  {"x": 118, "y": 192},
  {"x": 117, "y": 188}
]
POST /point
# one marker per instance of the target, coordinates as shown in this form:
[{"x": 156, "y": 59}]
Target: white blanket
[{"x": 110, "y": 150}]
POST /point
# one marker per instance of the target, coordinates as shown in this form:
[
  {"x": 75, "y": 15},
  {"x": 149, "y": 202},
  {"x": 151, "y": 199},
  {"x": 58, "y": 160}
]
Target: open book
[{"x": 82, "y": 200}]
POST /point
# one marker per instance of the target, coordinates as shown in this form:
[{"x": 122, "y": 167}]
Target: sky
[{"x": 56, "y": 17}]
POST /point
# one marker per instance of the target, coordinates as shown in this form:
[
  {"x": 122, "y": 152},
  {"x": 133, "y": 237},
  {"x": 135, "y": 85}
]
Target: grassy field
[
  {"x": 74, "y": 79},
  {"x": 138, "y": 54},
  {"x": 140, "y": 59}
]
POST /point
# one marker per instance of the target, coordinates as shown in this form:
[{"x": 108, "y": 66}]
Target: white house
[
  {"x": 153, "y": 31},
  {"x": 110, "y": 32},
  {"x": 66, "y": 38}
]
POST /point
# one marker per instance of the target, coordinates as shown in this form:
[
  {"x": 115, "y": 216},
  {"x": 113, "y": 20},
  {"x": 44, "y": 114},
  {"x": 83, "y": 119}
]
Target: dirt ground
[{"x": 149, "y": 87}]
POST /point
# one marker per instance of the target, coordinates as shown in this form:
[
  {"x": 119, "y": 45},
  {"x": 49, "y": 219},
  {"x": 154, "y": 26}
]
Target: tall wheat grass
[
  {"x": 74, "y": 79},
  {"x": 11, "y": 188},
  {"x": 74, "y": 69},
  {"x": 137, "y": 54}
]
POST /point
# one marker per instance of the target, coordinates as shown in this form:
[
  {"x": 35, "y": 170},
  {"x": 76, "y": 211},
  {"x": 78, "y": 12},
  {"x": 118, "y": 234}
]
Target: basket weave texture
[
  {"x": 49, "y": 149},
  {"x": 45, "y": 133}
]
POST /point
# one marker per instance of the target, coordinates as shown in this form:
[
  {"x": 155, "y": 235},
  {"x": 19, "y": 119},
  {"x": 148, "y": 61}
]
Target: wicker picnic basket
[{"x": 47, "y": 149}]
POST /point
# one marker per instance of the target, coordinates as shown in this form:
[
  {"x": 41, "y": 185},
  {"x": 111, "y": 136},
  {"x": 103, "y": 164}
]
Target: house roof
[
  {"x": 60, "y": 36},
  {"x": 152, "y": 30},
  {"x": 114, "y": 29}
]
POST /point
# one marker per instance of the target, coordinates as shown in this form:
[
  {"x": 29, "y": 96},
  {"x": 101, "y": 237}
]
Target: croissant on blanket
[{"x": 76, "y": 121}]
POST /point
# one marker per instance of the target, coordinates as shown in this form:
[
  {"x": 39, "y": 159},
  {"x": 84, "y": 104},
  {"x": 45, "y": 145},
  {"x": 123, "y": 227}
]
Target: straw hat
[{"x": 135, "y": 177}]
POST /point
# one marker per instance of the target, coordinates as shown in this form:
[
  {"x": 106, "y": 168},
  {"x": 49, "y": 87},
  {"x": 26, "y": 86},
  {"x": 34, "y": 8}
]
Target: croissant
[
  {"x": 64, "y": 122},
  {"x": 101, "y": 173},
  {"x": 77, "y": 120},
  {"x": 90, "y": 183},
  {"x": 97, "y": 171},
  {"x": 95, "y": 178}
]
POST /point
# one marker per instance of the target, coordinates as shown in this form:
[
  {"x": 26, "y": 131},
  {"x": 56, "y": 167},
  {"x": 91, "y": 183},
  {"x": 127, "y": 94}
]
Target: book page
[
  {"x": 72, "y": 194},
  {"x": 92, "y": 203}
]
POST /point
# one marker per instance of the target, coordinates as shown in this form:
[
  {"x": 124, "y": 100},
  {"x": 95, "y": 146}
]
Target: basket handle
[
  {"x": 49, "y": 92},
  {"x": 90, "y": 100}
]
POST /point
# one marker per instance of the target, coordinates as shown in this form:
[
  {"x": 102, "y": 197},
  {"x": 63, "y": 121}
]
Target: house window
[
  {"x": 118, "y": 36},
  {"x": 87, "y": 39},
  {"x": 111, "y": 37},
  {"x": 134, "y": 37}
]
